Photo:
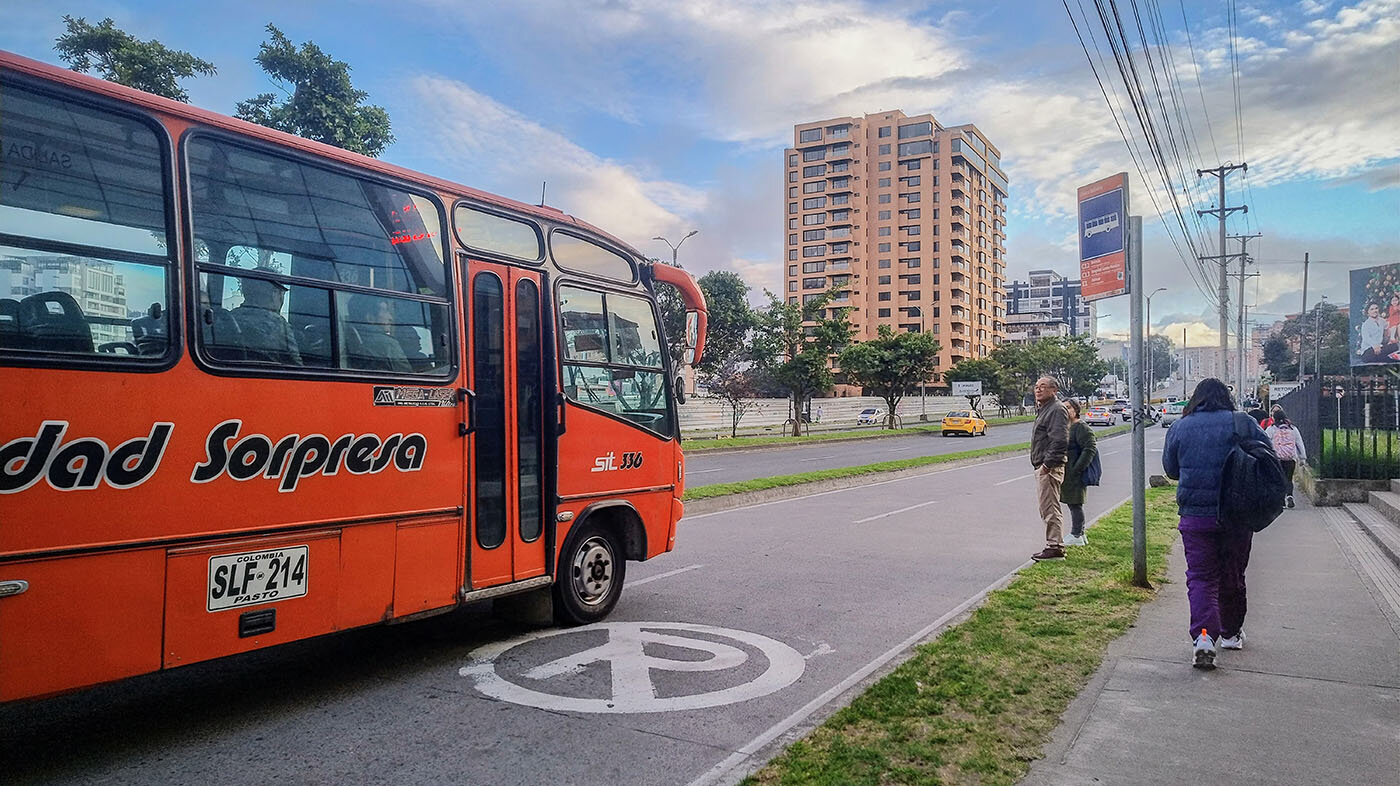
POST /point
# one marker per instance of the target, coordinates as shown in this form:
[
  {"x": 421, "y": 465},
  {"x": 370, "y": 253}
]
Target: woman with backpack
[
  {"x": 1083, "y": 450},
  {"x": 1288, "y": 444},
  {"x": 1216, "y": 553}
]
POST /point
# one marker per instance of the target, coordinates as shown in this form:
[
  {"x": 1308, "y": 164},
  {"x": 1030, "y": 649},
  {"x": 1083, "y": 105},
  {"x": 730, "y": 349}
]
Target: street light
[
  {"x": 1150, "y": 364},
  {"x": 676, "y": 247}
]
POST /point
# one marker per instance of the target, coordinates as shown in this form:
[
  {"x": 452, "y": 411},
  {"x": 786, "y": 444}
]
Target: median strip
[
  {"x": 695, "y": 444},
  {"x": 978, "y": 703},
  {"x": 801, "y": 478}
]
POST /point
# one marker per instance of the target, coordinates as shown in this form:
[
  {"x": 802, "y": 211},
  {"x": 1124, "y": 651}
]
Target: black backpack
[{"x": 1252, "y": 484}]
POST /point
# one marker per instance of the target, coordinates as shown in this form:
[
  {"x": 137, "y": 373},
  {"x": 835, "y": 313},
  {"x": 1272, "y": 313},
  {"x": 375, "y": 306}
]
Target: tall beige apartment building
[{"x": 908, "y": 217}]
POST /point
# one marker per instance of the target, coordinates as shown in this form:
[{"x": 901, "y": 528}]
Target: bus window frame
[
  {"x": 601, "y": 243},
  {"x": 488, "y": 255},
  {"x": 666, "y": 372},
  {"x": 330, "y": 374},
  {"x": 174, "y": 238}
]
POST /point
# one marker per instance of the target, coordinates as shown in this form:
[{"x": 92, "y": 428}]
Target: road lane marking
[
  {"x": 1013, "y": 457},
  {"x": 896, "y": 450},
  {"x": 893, "y": 512},
  {"x": 702, "y": 471},
  {"x": 640, "y": 582},
  {"x": 820, "y": 458},
  {"x": 721, "y": 770},
  {"x": 1013, "y": 480}
]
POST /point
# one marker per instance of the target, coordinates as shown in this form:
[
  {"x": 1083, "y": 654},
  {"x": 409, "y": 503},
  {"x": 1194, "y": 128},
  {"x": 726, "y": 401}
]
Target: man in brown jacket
[{"x": 1049, "y": 444}]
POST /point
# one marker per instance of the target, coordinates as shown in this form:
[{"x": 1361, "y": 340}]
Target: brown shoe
[{"x": 1050, "y": 552}]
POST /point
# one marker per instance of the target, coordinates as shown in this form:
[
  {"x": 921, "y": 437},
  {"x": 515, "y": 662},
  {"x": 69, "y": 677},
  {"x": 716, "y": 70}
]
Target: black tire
[{"x": 591, "y": 572}]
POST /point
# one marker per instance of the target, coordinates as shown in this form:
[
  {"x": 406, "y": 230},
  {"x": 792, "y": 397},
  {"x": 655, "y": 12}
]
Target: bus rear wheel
[{"x": 591, "y": 573}]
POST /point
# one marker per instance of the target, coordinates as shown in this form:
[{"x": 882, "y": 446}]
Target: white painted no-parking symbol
[{"x": 636, "y": 654}]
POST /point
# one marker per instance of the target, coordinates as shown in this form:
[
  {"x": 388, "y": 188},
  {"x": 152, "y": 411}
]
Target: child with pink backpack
[{"x": 1288, "y": 445}]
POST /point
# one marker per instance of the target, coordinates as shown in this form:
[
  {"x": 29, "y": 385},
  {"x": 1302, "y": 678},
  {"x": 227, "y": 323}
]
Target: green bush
[{"x": 1359, "y": 454}]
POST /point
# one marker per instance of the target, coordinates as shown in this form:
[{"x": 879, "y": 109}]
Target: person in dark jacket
[
  {"x": 1083, "y": 447},
  {"x": 1049, "y": 444},
  {"x": 1216, "y": 554}
]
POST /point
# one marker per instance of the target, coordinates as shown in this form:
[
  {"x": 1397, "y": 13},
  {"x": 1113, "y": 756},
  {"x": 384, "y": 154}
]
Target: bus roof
[{"x": 193, "y": 114}]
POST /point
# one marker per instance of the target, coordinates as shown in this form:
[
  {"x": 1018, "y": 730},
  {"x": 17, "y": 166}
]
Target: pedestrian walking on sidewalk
[
  {"x": 1288, "y": 444},
  {"x": 1216, "y": 554},
  {"x": 1049, "y": 445},
  {"x": 1083, "y": 450}
]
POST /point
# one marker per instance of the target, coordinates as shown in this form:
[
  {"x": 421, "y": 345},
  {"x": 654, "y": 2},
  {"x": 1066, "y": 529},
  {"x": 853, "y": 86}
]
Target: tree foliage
[
  {"x": 730, "y": 319},
  {"x": 1072, "y": 361},
  {"x": 993, "y": 377},
  {"x": 737, "y": 386},
  {"x": 890, "y": 365},
  {"x": 796, "y": 358},
  {"x": 1324, "y": 328},
  {"x": 320, "y": 103},
  {"x": 119, "y": 57},
  {"x": 1161, "y": 354}
]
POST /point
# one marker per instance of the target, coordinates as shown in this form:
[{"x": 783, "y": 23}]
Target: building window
[
  {"x": 883, "y": 232},
  {"x": 792, "y": 223},
  {"x": 814, "y": 234},
  {"x": 884, "y": 312},
  {"x": 813, "y": 218},
  {"x": 838, "y": 132},
  {"x": 841, "y": 149},
  {"x": 811, "y": 267},
  {"x": 916, "y": 130},
  {"x": 911, "y": 279},
  {"x": 883, "y": 280},
  {"x": 841, "y": 232},
  {"x": 883, "y": 248},
  {"x": 813, "y": 283},
  {"x": 792, "y": 286},
  {"x": 884, "y": 131},
  {"x": 841, "y": 166},
  {"x": 884, "y": 215},
  {"x": 910, "y": 166},
  {"x": 813, "y": 251},
  {"x": 815, "y": 170},
  {"x": 792, "y": 207},
  {"x": 840, "y": 199},
  {"x": 840, "y": 182},
  {"x": 840, "y": 248},
  {"x": 911, "y": 229},
  {"x": 884, "y": 199},
  {"x": 912, "y": 213},
  {"x": 792, "y": 191},
  {"x": 841, "y": 281},
  {"x": 911, "y": 245},
  {"x": 792, "y": 239},
  {"x": 814, "y": 155},
  {"x": 792, "y": 253},
  {"x": 814, "y": 187},
  {"x": 884, "y": 150},
  {"x": 920, "y": 148},
  {"x": 911, "y": 181},
  {"x": 792, "y": 270},
  {"x": 884, "y": 182},
  {"x": 811, "y": 203},
  {"x": 792, "y": 176},
  {"x": 810, "y": 135},
  {"x": 912, "y": 196},
  {"x": 909, "y": 262},
  {"x": 792, "y": 159},
  {"x": 883, "y": 297},
  {"x": 884, "y": 166},
  {"x": 841, "y": 215}
]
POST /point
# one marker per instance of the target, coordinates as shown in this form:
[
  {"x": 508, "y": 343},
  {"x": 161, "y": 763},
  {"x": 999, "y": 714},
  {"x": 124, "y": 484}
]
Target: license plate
[{"x": 256, "y": 577}]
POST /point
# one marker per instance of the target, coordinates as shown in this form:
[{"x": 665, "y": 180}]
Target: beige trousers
[{"x": 1047, "y": 484}]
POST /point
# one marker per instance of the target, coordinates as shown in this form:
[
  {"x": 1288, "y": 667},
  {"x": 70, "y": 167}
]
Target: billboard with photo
[
  {"x": 1103, "y": 229},
  {"x": 1375, "y": 316}
]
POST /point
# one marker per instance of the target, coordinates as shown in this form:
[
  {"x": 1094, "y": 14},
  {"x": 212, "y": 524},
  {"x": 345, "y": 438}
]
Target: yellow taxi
[{"x": 964, "y": 421}]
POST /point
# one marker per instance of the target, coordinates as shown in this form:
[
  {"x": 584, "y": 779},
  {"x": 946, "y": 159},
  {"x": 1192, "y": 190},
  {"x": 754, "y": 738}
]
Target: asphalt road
[
  {"x": 703, "y": 468},
  {"x": 751, "y": 630}
]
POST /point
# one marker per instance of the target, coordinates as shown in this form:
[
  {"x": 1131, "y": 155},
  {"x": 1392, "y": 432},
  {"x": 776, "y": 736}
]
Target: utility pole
[
  {"x": 1239, "y": 333},
  {"x": 1301, "y": 315},
  {"x": 1137, "y": 403},
  {"x": 1221, "y": 211},
  {"x": 1183, "y": 364}
]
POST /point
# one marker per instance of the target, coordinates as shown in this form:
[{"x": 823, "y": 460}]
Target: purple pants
[{"x": 1216, "y": 558}]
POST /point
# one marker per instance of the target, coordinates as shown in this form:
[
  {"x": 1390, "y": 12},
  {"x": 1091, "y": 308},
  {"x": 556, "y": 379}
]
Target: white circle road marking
[{"x": 632, "y": 687}]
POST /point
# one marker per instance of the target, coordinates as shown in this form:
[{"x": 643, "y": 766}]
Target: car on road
[
  {"x": 1098, "y": 416},
  {"x": 870, "y": 415},
  {"x": 963, "y": 421},
  {"x": 1118, "y": 405},
  {"x": 1172, "y": 413}
]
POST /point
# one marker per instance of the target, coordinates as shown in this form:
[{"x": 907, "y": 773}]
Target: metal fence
[{"x": 1350, "y": 427}]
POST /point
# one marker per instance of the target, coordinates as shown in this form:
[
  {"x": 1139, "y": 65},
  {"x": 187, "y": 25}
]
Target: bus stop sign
[{"x": 1103, "y": 229}]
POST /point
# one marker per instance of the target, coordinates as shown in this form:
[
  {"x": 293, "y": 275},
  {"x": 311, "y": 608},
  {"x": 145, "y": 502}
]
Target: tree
[
  {"x": 119, "y": 57},
  {"x": 1162, "y": 358},
  {"x": 797, "y": 357},
  {"x": 890, "y": 365},
  {"x": 736, "y": 386},
  {"x": 1072, "y": 361},
  {"x": 1280, "y": 358},
  {"x": 1323, "y": 327},
  {"x": 730, "y": 319},
  {"x": 984, "y": 370},
  {"x": 321, "y": 105}
]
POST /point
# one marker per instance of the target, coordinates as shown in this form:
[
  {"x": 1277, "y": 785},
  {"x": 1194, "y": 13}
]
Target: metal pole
[
  {"x": 1183, "y": 364},
  {"x": 1224, "y": 293},
  {"x": 1135, "y": 379},
  {"x": 1300, "y": 316},
  {"x": 1239, "y": 331}
]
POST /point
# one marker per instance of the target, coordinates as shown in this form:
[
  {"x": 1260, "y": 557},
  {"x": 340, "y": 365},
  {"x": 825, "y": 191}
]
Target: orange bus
[{"x": 257, "y": 389}]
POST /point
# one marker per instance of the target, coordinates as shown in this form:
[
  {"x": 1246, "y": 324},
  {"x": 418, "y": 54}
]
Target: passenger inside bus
[
  {"x": 369, "y": 339},
  {"x": 264, "y": 332}
]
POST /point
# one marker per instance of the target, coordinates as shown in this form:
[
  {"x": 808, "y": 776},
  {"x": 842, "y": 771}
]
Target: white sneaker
[
  {"x": 1076, "y": 540},
  {"x": 1203, "y": 654},
  {"x": 1235, "y": 642}
]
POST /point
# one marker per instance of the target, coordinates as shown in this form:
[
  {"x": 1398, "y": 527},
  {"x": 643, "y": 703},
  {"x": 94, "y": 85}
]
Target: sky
[{"x": 655, "y": 117}]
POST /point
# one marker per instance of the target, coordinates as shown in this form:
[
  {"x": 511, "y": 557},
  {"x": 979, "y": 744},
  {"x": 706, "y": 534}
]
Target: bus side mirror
[
  {"x": 692, "y": 337},
  {"x": 680, "y": 389}
]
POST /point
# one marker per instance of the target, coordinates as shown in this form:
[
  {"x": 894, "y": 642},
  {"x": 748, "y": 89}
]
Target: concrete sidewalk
[{"x": 1313, "y": 698}]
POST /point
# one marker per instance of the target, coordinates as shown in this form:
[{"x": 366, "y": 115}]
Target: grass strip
[
  {"x": 695, "y": 443},
  {"x": 797, "y": 479},
  {"x": 977, "y": 704}
]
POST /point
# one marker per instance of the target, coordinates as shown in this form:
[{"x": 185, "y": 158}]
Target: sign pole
[{"x": 1135, "y": 394}]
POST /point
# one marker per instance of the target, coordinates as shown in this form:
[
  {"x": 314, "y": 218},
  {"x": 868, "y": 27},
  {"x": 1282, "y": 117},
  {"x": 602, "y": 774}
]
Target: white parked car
[
  {"x": 1098, "y": 416},
  {"x": 870, "y": 415}
]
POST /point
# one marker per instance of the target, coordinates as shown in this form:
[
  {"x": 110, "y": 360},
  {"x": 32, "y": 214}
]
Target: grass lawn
[
  {"x": 694, "y": 444},
  {"x": 977, "y": 704},
  {"x": 1356, "y": 453},
  {"x": 777, "y": 481}
]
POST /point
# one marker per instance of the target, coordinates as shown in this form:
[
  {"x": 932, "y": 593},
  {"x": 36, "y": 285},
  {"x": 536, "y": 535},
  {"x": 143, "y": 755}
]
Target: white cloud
[{"x": 1312, "y": 7}]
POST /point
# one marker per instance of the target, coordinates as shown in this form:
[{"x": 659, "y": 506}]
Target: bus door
[{"x": 505, "y": 490}]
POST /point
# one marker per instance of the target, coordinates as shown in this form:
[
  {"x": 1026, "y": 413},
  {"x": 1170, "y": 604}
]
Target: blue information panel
[{"x": 1103, "y": 225}]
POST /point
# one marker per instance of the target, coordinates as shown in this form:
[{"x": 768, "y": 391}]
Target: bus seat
[
  {"x": 54, "y": 321},
  {"x": 10, "y": 336},
  {"x": 223, "y": 339}
]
